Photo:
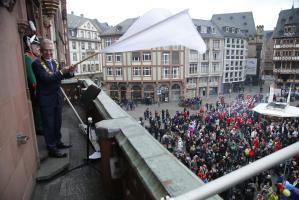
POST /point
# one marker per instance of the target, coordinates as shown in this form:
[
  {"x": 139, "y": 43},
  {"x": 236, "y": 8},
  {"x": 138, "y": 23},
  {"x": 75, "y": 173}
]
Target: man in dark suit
[{"x": 49, "y": 97}]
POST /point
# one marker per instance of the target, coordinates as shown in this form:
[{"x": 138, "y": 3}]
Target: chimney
[
  {"x": 72, "y": 12},
  {"x": 81, "y": 15}
]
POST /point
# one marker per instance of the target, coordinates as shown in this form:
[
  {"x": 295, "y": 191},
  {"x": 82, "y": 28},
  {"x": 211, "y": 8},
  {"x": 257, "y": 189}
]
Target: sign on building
[{"x": 251, "y": 66}]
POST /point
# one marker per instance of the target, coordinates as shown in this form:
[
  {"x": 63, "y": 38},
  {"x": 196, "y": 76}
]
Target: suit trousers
[{"x": 52, "y": 119}]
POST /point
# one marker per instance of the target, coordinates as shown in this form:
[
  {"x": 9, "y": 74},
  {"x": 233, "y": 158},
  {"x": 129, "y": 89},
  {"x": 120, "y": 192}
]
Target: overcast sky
[{"x": 265, "y": 12}]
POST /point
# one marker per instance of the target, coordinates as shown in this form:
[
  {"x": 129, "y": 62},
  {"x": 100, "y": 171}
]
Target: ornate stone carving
[
  {"x": 50, "y": 7},
  {"x": 9, "y": 4},
  {"x": 22, "y": 26}
]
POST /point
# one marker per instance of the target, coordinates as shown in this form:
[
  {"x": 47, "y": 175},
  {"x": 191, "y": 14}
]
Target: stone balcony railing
[{"x": 134, "y": 164}]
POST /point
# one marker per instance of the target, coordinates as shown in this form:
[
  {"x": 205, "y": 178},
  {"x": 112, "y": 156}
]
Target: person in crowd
[{"x": 211, "y": 143}]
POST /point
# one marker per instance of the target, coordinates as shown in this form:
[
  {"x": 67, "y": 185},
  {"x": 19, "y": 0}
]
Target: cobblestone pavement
[{"x": 173, "y": 106}]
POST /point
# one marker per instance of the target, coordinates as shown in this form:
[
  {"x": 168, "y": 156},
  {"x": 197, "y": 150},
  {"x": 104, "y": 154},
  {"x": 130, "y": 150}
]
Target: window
[
  {"x": 82, "y": 34},
  {"x": 89, "y": 45},
  {"x": 193, "y": 69},
  {"x": 166, "y": 72},
  {"x": 146, "y": 56},
  {"x": 216, "y": 44},
  {"x": 213, "y": 30},
  {"x": 175, "y": 72},
  {"x": 109, "y": 71},
  {"x": 227, "y": 29},
  {"x": 227, "y": 40},
  {"x": 84, "y": 68},
  {"x": 203, "y": 29},
  {"x": 83, "y": 55},
  {"x": 227, "y": 54},
  {"x": 205, "y": 56},
  {"x": 226, "y": 75},
  {"x": 88, "y": 34},
  {"x": 136, "y": 71},
  {"x": 136, "y": 56},
  {"x": 82, "y": 45},
  {"x": 215, "y": 67},
  {"x": 165, "y": 59},
  {"x": 74, "y": 45},
  {"x": 73, "y": 33},
  {"x": 118, "y": 57},
  {"x": 204, "y": 67},
  {"x": 109, "y": 58},
  {"x": 215, "y": 55},
  {"x": 147, "y": 71},
  {"x": 191, "y": 80},
  {"x": 74, "y": 56},
  {"x": 175, "y": 57},
  {"x": 118, "y": 71},
  {"x": 108, "y": 42}
]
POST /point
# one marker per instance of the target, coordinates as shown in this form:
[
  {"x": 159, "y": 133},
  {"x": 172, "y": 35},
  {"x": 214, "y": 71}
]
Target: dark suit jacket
[{"x": 48, "y": 85}]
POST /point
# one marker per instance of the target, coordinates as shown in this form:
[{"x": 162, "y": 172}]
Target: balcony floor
[{"x": 81, "y": 184}]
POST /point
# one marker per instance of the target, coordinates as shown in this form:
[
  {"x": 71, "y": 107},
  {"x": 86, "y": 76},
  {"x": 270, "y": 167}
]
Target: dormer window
[
  {"x": 213, "y": 30},
  {"x": 203, "y": 29},
  {"x": 198, "y": 29},
  {"x": 233, "y": 30},
  {"x": 289, "y": 30},
  {"x": 227, "y": 29}
]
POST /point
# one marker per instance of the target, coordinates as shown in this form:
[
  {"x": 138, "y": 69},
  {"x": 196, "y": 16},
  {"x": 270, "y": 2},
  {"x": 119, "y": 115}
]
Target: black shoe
[
  {"x": 56, "y": 154},
  {"x": 63, "y": 146}
]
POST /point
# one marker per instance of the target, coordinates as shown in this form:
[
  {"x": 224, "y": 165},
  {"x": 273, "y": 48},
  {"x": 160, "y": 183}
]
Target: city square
[{"x": 164, "y": 100}]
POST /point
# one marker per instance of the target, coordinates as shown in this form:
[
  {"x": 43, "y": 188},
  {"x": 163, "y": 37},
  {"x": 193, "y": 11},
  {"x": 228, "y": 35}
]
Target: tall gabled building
[
  {"x": 235, "y": 53},
  {"x": 84, "y": 40},
  {"x": 204, "y": 71},
  {"x": 286, "y": 48},
  {"x": 266, "y": 69},
  {"x": 242, "y": 48}
]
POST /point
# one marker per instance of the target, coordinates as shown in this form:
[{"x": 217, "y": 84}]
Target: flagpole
[{"x": 86, "y": 58}]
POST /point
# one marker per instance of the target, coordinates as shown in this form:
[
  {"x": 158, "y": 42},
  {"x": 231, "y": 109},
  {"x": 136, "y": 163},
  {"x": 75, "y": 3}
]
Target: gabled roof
[
  {"x": 120, "y": 28},
  {"x": 291, "y": 17},
  {"x": 242, "y": 20},
  {"x": 207, "y": 23},
  {"x": 75, "y": 21}
]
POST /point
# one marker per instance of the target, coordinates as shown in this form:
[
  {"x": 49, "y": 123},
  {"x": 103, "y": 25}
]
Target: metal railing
[{"x": 240, "y": 175}]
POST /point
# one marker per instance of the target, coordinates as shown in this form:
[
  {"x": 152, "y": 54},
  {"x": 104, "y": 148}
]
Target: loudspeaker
[{"x": 90, "y": 94}]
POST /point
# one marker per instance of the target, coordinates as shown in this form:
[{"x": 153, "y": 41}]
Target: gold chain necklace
[{"x": 42, "y": 62}]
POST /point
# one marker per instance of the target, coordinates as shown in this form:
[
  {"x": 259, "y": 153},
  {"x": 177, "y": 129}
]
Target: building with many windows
[
  {"x": 266, "y": 69},
  {"x": 153, "y": 74},
  {"x": 204, "y": 71},
  {"x": 286, "y": 48},
  {"x": 241, "y": 43},
  {"x": 84, "y": 40}
]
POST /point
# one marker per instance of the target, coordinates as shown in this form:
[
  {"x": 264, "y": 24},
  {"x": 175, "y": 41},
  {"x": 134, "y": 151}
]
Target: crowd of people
[{"x": 221, "y": 138}]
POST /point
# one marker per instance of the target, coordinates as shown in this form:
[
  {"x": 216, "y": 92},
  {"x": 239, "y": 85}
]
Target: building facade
[
  {"x": 286, "y": 49},
  {"x": 19, "y": 161},
  {"x": 204, "y": 71},
  {"x": 242, "y": 46},
  {"x": 154, "y": 74},
  {"x": 84, "y": 41},
  {"x": 266, "y": 69}
]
